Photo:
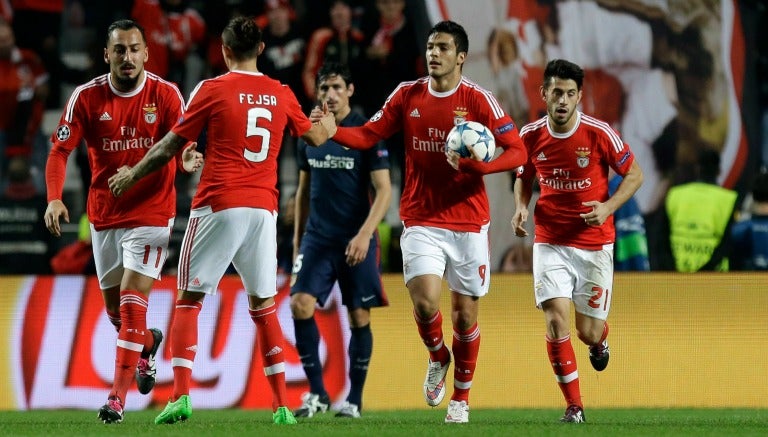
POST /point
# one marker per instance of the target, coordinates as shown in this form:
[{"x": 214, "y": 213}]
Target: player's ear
[
  {"x": 350, "y": 90},
  {"x": 261, "y": 48},
  {"x": 543, "y": 93},
  {"x": 460, "y": 58},
  {"x": 106, "y": 56}
]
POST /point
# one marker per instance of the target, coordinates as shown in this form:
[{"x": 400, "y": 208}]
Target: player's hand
[
  {"x": 328, "y": 120},
  {"x": 518, "y": 222},
  {"x": 121, "y": 181},
  {"x": 53, "y": 213},
  {"x": 357, "y": 249},
  {"x": 191, "y": 159},
  {"x": 452, "y": 158},
  {"x": 316, "y": 115},
  {"x": 598, "y": 215}
]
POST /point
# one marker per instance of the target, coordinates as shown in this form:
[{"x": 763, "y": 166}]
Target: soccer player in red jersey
[
  {"x": 120, "y": 115},
  {"x": 233, "y": 217},
  {"x": 445, "y": 212},
  {"x": 571, "y": 153}
]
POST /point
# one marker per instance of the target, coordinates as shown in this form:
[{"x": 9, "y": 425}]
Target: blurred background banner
[
  {"x": 677, "y": 340},
  {"x": 670, "y": 76}
]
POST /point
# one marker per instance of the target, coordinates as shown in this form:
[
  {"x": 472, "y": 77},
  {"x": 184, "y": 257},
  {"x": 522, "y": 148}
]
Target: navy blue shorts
[{"x": 319, "y": 265}]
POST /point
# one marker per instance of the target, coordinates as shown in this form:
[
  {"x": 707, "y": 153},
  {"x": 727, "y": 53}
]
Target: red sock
[
  {"x": 269, "y": 335},
  {"x": 466, "y": 346},
  {"x": 130, "y": 340},
  {"x": 563, "y": 362},
  {"x": 431, "y": 332},
  {"x": 183, "y": 341},
  {"x": 114, "y": 319},
  {"x": 605, "y": 333}
]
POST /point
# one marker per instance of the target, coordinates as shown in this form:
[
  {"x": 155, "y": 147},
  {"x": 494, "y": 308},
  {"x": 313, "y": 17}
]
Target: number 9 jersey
[{"x": 246, "y": 114}]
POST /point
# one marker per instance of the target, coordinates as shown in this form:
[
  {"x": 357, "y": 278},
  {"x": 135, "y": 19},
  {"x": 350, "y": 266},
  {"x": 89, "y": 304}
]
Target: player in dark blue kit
[{"x": 335, "y": 240}]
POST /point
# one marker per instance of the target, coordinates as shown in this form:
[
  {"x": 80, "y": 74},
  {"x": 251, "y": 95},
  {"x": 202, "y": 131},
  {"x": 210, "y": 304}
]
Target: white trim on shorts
[
  {"x": 584, "y": 276},
  {"x": 462, "y": 258},
  {"x": 245, "y": 237},
  {"x": 143, "y": 249}
]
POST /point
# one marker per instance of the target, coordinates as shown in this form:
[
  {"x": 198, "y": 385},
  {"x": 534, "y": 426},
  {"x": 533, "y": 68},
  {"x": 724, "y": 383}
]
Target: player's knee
[
  {"x": 589, "y": 336},
  {"x": 302, "y": 305}
]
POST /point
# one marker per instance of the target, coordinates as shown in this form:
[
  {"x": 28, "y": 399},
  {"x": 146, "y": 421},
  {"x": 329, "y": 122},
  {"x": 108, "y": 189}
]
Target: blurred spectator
[
  {"x": 37, "y": 25},
  {"x": 392, "y": 54},
  {"x": 217, "y": 15},
  {"x": 174, "y": 30},
  {"x": 630, "y": 251},
  {"x": 283, "y": 56},
  {"x": 517, "y": 258},
  {"x": 341, "y": 42},
  {"x": 699, "y": 217},
  {"x": 750, "y": 236},
  {"x": 23, "y": 89},
  {"x": 26, "y": 246}
]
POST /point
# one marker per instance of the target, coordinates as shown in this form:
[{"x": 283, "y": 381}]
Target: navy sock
[
  {"x": 307, "y": 343},
  {"x": 360, "y": 350}
]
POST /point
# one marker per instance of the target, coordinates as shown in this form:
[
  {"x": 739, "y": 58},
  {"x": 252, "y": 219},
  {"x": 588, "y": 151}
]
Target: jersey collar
[
  {"x": 131, "y": 93},
  {"x": 570, "y": 132}
]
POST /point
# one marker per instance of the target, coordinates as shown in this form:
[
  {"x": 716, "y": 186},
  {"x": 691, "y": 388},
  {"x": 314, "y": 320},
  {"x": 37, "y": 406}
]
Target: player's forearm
[
  {"x": 55, "y": 173},
  {"x": 159, "y": 155},
  {"x": 378, "y": 210},
  {"x": 359, "y": 138},
  {"x": 627, "y": 188},
  {"x": 505, "y": 162},
  {"x": 523, "y": 191}
]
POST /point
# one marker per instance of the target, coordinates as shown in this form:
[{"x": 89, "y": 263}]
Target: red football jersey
[
  {"x": 434, "y": 194},
  {"x": 572, "y": 168},
  {"x": 245, "y": 115},
  {"x": 119, "y": 129}
]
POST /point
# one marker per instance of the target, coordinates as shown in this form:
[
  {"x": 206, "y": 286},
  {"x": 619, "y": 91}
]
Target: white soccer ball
[{"x": 472, "y": 133}]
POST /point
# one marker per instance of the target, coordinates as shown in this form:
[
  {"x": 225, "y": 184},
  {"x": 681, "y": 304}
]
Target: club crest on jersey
[
  {"x": 582, "y": 154},
  {"x": 459, "y": 115},
  {"x": 150, "y": 113}
]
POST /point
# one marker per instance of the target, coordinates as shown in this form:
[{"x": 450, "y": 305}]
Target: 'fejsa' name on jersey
[{"x": 259, "y": 99}]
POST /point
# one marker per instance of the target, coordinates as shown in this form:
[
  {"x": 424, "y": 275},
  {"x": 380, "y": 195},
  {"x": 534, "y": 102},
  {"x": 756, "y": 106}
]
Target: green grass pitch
[{"x": 489, "y": 422}]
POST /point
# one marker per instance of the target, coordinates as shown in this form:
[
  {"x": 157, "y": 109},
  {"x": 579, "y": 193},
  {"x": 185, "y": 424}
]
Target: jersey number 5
[{"x": 254, "y": 114}]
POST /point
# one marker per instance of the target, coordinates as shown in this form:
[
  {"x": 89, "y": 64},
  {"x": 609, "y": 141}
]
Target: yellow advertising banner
[{"x": 676, "y": 340}]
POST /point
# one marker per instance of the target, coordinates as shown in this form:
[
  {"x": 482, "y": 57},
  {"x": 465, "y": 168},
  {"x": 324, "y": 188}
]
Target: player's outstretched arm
[{"x": 158, "y": 155}]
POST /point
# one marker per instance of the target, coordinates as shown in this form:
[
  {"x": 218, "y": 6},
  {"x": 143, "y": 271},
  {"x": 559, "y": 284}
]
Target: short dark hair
[
  {"x": 760, "y": 187},
  {"x": 243, "y": 36},
  {"x": 330, "y": 69},
  {"x": 708, "y": 164},
  {"x": 125, "y": 25},
  {"x": 458, "y": 33},
  {"x": 563, "y": 69}
]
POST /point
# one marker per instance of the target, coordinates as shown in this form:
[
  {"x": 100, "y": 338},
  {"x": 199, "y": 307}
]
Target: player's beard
[{"x": 126, "y": 82}]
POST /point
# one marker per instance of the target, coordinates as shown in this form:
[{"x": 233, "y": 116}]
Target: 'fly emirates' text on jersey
[
  {"x": 245, "y": 115},
  {"x": 119, "y": 129},
  {"x": 573, "y": 168},
  {"x": 434, "y": 194}
]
